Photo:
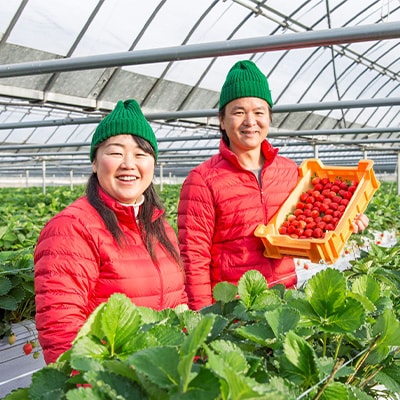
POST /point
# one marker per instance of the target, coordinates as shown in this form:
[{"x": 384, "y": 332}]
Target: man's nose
[{"x": 249, "y": 119}]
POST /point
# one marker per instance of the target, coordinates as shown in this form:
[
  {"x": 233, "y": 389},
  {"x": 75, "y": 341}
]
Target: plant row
[
  {"x": 337, "y": 338},
  {"x": 24, "y": 212}
]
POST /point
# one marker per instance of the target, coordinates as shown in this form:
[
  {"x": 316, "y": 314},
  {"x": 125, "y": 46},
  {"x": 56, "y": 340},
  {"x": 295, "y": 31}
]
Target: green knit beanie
[
  {"x": 245, "y": 80},
  {"x": 126, "y": 118}
]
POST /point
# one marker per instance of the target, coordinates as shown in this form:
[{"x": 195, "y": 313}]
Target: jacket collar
[
  {"x": 267, "y": 149},
  {"x": 125, "y": 214}
]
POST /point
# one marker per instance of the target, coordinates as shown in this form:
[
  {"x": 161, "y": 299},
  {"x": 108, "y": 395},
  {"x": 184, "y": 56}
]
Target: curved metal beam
[
  {"x": 326, "y": 37},
  {"x": 175, "y": 115}
]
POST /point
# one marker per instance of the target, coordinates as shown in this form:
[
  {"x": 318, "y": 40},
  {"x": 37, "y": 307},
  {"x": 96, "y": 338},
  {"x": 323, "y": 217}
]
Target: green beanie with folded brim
[
  {"x": 244, "y": 79},
  {"x": 126, "y": 118}
]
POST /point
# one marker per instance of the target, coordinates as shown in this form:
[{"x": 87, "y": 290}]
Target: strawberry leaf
[
  {"x": 190, "y": 346},
  {"x": 283, "y": 319},
  {"x": 299, "y": 362},
  {"x": 325, "y": 291},
  {"x": 158, "y": 364},
  {"x": 224, "y": 292}
]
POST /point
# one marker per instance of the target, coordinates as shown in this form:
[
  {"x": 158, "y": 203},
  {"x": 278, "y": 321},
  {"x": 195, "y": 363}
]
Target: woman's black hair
[
  {"x": 152, "y": 231},
  {"x": 221, "y": 115}
]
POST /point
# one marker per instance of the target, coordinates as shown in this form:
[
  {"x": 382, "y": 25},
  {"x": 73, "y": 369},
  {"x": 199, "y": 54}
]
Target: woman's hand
[{"x": 360, "y": 223}]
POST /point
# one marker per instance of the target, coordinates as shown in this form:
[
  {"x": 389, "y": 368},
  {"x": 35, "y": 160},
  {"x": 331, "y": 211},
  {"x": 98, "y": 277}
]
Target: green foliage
[
  {"x": 16, "y": 288},
  {"x": 23, "y": 213},
  {"x": 381, "y": 267},
  {"x": 334, "y": 339},
  {"x": 170, "y": 198},
  {"x": 384, "y": 208}
]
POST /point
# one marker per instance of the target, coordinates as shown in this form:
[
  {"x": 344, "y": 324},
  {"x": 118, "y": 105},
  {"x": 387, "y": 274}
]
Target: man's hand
[{"x": 360, "y": 223}]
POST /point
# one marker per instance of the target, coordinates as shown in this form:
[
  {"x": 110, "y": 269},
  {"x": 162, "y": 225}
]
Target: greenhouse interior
[{"x": 333, "y": 67}]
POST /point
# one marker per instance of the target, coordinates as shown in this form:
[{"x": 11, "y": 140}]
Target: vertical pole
[
  {"x": 44, "y": 177},
  {"x": 71, "y": 176},
  {"x": 27, "y": 178},
  {"x": 161, "y": 177},
  {"x": 315, "y": 150},
  {"x": 398, "y": 173}
]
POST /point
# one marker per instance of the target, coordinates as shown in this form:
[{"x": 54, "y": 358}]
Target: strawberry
[
  {"x": 316, "y": 181},
  {"x": 27, "y": 348},
  {"x": 318, "y": 209},
  {"x": 282, "y": 230},
  {"x": 36, "y": 355},
  {"x": 11, "y": 339}
]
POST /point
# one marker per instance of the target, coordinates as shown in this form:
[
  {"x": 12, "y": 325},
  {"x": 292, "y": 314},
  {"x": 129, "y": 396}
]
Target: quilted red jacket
[
  {"x": 78, "y": 266},
  {"x": 221, "y": 204}
]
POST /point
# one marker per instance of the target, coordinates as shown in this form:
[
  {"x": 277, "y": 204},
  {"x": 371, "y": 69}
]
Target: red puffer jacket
[
  {"x": 221, "y": 205},
  {"x": 78, "y": 265}
]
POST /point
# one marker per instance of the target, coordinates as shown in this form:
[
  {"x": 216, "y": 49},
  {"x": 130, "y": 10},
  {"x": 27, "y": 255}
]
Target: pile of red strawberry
[{"x": 319, "y": 209}]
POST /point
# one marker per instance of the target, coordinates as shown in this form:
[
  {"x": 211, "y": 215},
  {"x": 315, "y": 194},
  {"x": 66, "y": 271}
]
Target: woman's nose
[{"x": 128, "y": 161}]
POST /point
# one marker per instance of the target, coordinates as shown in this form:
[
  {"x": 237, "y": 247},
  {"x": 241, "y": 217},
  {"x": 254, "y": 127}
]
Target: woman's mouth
[{"x": 127, "y": 178}]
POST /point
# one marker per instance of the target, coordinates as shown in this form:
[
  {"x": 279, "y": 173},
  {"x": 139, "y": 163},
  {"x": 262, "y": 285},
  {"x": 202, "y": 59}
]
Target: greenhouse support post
[
  {"x": 398, "y": 173},
  {"x": 161, "y": 177},
  {"x": 44, "y": 177},
  {"x": 71, "y": 176},
  {"x": 315, "y": 150}
]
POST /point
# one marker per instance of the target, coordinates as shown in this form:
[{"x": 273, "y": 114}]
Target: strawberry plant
[
  {"x": 170, "y": 199},
  {"x": 383, "y": 209},
  {"x": 23, "y": 213},
  {"x": 335, "y": 339},
  {"x": 16, "y": 288}
]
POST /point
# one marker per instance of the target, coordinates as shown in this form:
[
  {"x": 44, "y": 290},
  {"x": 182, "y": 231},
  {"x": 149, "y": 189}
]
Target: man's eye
[{"x": 116, "y": 154}]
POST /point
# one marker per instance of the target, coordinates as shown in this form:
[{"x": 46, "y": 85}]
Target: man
[{"x": 224, "y": 199}]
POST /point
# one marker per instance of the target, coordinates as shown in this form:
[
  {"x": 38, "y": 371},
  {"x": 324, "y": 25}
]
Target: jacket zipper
[{"x": 260, "y": 184}]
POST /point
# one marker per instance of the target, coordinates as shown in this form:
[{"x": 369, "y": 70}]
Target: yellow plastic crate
[{"x": 328, "y": 248}]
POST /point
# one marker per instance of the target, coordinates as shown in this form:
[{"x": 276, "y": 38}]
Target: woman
[
  {"x": 114, "y": 239},
  {"x": 224, "y": 199}
]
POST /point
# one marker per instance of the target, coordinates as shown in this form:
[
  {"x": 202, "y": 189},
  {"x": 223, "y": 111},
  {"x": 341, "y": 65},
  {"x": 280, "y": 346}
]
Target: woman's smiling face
[{"x": 123, "y": 169}]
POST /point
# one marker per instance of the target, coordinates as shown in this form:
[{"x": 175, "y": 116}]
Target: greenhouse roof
[{"x": 333, "y": 68}]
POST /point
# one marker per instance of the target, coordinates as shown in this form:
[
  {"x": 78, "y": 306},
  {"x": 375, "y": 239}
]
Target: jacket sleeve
[
  {"x": 172, "y": 236},
  {"x": 196, "y": 222},
  {"x": 66, "y": 269}
]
